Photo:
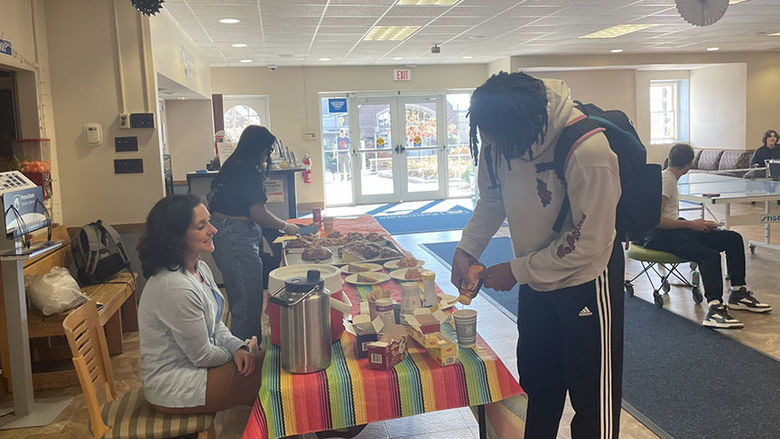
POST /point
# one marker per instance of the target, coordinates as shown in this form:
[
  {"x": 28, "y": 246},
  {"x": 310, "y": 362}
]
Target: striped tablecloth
[{"x": 349, "y": 393}]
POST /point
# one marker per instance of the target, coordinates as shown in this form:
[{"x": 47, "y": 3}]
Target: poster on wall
[
  {"x": 274, "y": 190},
  {"x": 337, "y": 105},
  {"x": 5, "y": 47}
]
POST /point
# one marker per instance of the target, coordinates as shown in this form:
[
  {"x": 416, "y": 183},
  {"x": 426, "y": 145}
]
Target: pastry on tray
[{"x": 316, "y": 253}]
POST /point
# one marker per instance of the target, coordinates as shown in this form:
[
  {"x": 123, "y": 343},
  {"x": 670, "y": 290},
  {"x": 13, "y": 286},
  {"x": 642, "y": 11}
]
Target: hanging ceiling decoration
[
  {"x": 151, "y": 7},
  {"x": 702, "y": 12}
]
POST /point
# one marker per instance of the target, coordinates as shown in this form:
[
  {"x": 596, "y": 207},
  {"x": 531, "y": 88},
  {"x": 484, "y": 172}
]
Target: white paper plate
[
  {"x": 371, "y": 267},
  {"x": 378, "y": 278},
  {"x": 400, "y": 275},
  {"x": 393, "y": 265}
]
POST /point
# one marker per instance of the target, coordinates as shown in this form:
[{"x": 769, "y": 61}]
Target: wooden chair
[{"x": 131, "y": 416}]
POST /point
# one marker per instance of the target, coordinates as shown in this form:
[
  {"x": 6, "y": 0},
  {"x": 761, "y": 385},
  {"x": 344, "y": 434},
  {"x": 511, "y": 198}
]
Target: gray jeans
[{"x": 237, "y": 254}]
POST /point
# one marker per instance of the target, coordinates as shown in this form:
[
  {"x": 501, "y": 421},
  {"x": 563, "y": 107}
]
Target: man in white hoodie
[{"x": 570, "y": 313}]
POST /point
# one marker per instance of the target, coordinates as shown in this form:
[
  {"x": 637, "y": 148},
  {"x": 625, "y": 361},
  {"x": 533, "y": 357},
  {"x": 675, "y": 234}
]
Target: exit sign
[{"x": 402, "y": 75}]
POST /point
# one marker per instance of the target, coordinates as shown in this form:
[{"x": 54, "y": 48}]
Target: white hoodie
[{"x": 530, "y": 202}]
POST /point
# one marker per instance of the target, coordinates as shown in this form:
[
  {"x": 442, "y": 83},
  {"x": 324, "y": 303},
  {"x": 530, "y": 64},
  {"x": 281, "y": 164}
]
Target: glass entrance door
[{"x": 401, "y": 151}]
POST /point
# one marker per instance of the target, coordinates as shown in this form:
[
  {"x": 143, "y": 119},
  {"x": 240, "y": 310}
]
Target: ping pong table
[{"x": 707, "y": 188}]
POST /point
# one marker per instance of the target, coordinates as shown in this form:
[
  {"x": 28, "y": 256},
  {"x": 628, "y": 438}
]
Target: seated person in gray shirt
[{"x": 190, "y": 361}]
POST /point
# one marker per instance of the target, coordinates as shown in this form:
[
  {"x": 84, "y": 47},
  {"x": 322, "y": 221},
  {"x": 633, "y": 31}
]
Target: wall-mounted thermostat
[{"x": 93, "y": 133}]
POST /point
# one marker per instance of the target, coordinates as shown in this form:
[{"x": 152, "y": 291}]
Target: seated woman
[
  {"x": 190, "y": 361},
  {"x": 767, "y": 150}
]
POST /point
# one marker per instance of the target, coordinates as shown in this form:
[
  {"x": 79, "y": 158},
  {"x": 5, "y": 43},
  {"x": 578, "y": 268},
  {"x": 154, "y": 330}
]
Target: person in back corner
[
  {"x": 768, "y": 150},
  {"x": 190, "y": 362},
  {"x": 701, "y": 241},
  {"x": 570, "y": 312},
  {"x": 237, "y": 202}
]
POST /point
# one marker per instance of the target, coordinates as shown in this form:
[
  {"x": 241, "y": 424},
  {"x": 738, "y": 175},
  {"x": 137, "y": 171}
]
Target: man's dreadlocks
[{"x": 511, "y": 108}]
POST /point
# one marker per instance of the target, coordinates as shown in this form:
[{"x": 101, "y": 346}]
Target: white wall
[
  {"x": 86, "y": 88},
  {"x": 190, "y": 135},
  {"x": 176, "y": 57},
  {"x": 719, "y": 101},
  {"x": 609, "y": 89},
  {"x": 293, "y": 94}
]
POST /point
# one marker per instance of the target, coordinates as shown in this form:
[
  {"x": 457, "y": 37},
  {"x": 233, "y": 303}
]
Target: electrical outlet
[
  {"x": 141, "y": 120},
  {"x": 124, "y": 120},
  {"x": 125, "y": 144},
  {"x": 129, "y": 166}
]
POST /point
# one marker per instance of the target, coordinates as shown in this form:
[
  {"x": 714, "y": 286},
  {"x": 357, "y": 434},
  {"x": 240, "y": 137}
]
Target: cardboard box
[
  {"x": 445, "y": 352},
  {"x": 389, "y": 350},
  {"x": 366, "y": 331},
  {"x": 425, "y": 340},
  {"x": 424, "y": 326}
]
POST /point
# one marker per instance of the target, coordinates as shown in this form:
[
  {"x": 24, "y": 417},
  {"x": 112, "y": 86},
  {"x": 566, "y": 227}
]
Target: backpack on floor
[
  {"x": 639, "y": 208},
  {"x": 98, "y": 253}
]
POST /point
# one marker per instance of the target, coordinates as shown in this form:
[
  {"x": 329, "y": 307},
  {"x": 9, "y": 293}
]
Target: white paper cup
[
  {"x": 466, "y": 327},
  {"x": 328, "y": 222}
]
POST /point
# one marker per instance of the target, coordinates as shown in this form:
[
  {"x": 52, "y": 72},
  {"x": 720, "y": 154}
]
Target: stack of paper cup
[
  {"x": 466, "y": 327},
  {"x": 328, "y": 222}
]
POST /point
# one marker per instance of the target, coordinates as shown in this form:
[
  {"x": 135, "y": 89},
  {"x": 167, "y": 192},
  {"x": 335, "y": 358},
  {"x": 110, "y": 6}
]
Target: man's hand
[
  {"x": 245, "y": 362},
  {"x": 702, "y": 225},
  {"x": 460, "y": 266},
  {"x": 498, "y": 277}
]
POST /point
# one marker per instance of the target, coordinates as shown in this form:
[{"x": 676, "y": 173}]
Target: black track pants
[{"x": 572, "y": 340}]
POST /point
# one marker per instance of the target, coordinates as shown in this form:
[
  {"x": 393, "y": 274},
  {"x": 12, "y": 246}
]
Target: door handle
[{"x": 403, "y": 149}]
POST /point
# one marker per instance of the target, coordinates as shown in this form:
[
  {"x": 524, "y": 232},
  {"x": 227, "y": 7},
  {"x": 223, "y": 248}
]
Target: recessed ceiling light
[
  {"x": 181, "y": 98},
  {"x": 239, "y": 45},
  {"x": 467, "y": 57},
  {"x": 427, "y": 2},
  {"x": 324, "y": 59},
  {"x": 229, "y": 20},
  {"x": 616, "y": 50},
  {"x": 617, "y": 31},
  {"x": 776, "y": 34},
  {"x": 713, "y": 49},
  {"x": 245, "y": 60},
  {"x": 390, "y": 33},
  {"x": 398, "y": 58}
]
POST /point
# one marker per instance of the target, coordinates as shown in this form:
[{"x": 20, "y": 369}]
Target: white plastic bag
[{"x": 54, "y": 292}]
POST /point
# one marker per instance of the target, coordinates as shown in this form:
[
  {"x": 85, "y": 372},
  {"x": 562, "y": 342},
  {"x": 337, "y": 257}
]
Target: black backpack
[
  {"x": 639, "y": 208},
  {"x": 98, "y": 253}
]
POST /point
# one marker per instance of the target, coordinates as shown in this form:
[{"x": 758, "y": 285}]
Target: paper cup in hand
[
  {"x": 328, "y": 221},
  {"x": 466, "y": 327}
]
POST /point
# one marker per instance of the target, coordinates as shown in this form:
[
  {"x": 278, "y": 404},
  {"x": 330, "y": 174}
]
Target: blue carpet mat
[
  {"x": 691, "y": 382},
  {"x": 420, "y": 221}
]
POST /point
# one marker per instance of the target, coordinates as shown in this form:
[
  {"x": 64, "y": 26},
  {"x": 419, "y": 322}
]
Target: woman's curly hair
[
  {"x": 512, "y": 109},
  {"x": 163, "y": 243},
  {"x": 767, "y": 134}
]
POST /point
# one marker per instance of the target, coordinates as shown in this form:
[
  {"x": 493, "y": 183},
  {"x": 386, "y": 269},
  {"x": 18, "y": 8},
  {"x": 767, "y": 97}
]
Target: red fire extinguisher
[{"x": 307, "y": 172}]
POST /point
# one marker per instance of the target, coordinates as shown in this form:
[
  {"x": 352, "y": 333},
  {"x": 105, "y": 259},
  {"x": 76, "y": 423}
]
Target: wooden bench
[{"x": 119, "y": 313}]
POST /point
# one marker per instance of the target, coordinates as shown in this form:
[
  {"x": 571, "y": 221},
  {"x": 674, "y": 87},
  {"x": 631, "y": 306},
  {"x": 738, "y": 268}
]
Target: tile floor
[{"x": 762, "y": 332}]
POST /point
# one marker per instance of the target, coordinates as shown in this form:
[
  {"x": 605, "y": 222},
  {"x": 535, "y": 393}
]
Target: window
[
  {"x": 237, "y": 118},
  {"x": 460, "y": 165},
  {"x": 668, "y": 111}
]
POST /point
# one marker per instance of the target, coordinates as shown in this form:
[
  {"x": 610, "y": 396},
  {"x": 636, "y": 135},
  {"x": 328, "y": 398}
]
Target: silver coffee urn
[{"x": 304, "y": 305}]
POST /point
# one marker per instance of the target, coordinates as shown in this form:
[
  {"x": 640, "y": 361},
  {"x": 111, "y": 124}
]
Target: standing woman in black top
[
  {"x": 768, "y": 150},
  {"x": 237, "y": 204}
]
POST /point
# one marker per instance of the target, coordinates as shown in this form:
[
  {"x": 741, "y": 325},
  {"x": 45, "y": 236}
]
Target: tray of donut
[{"x": 339, "y": 249}]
